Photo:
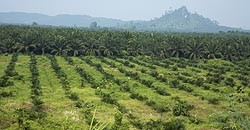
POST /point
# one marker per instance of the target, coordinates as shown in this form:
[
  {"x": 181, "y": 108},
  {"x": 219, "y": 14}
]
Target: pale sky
[{"x": 233, "y": 13}]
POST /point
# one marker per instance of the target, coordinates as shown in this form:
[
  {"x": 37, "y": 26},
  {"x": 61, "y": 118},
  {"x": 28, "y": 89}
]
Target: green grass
[{"x": 61, "y": 112}]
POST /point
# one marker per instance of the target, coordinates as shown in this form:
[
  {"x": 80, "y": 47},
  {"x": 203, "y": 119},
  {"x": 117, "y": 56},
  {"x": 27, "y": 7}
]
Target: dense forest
[{"x": 86, "y": 42}]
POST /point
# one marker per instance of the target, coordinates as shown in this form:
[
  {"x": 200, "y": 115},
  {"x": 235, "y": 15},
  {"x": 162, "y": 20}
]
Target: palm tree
[
  {"x": 42, "y": 44},
  {"x": 76, "y": 47},
  {"x": 194, "y": 50},
  {"x": 239, "y": 49},
  {"x": 7, "y": 46},
  {"x": 212, "y": 49},
  {"x": 60, "y": 46},
  {"x": 107, "y": 50},
  {"x": 92, "y": 49},
  {"x": 176, "y": 50},
  {"x": 26, "y": 42},
  {"x": 137, "y": 49},
  {"x": 134, "y": 48},
  {"x": 228, "y": 52}
]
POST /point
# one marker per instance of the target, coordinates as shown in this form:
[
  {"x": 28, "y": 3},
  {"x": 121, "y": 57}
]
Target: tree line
[{"x": 87, "y": 42}]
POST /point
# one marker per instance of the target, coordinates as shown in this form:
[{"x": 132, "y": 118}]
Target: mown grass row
[
  {"x": 106, "y": 97},
  {"x": 175, "y": 83},
  {"x": 36, "y": 112},
  {"x": 180, "y": 107},
  {"x": 124, "y": 86},
  {"x": 81, "y": 104},
  {"x": 94, "y": 84},
  {"x": 149, "y": 83},
  {"x": 223, "y": 78}
]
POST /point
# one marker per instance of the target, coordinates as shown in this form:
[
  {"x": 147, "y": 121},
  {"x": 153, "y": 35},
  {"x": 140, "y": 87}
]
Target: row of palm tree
[{"x": 80, "y": 42}]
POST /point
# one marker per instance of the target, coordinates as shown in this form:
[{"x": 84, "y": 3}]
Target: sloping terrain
[{"x": 128, "y": 93}]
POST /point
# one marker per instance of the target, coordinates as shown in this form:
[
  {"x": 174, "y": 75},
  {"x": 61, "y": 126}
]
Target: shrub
[
  {"x": 154, "y": 73},
  {"x": 118, "y": 81},
  {"x": 161, "y": 78},
  {"x": 157, "y": 125},
  {"x": 176, "y": 98},
  {"x": 74, "y": 96},
  {"x": 126, "y": 63},
  {"x": 118, "y": 122},
  {"x": 175, "y": 124},
  {"x": 195, "y": 120},
  {"x": 213, "y": 101},
  {"x": 150, "y": 103},
  {"x": 143, "y": 70},
  {"x": 245, "y": 83},
  {"x": 230, "y": 82},
  {"x": 5, "y": 94},
  {"x": 215, "y": 90},
  {"x": 186, "y": 74},
  {"x": 5, "y": 81},
  {"x": 174, "y": 83},
  {"x": 175, "y": 68},
  {"x": 206, "y": 87},
  {"x": 182, "y": 108},
  {"x": 199, "y": 81},
  {"x": 185, "y": 88},
  {"x": 162, "y": 91},
  {"x": 19, "y": 77},
  {"x": 181, "y": 65},
  {"x": 108, "y": 99},
  {"x": 138, "y": 96},
  {"x": 147, "y": 83},
  {"x": 214, "y": 77},
  {"x": 22, "y": 118},
  {"x": 99, "y": 68},
  {"x": 125, "y": 87},
  {"x": 79, "y": 104},
  {"x": 161, "y": 108}
]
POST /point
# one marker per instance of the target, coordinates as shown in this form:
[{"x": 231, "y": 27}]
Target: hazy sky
[{"x": 234, "y": 13}]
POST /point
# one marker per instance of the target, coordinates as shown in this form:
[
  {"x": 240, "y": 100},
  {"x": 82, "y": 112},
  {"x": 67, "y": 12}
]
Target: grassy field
[{"x": 126, "y": 93}]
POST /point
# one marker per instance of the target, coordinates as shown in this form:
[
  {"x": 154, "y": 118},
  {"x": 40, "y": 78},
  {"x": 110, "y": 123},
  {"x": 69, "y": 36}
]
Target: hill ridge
[{"x": 179, "y": 20}]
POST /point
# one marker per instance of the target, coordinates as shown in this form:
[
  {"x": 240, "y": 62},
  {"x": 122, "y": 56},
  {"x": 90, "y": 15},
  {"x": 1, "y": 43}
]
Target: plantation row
[
  {"x": 77, "y": 42},
  {"x": 173, "y": 91},
  {"x": 10, "y": 72}
]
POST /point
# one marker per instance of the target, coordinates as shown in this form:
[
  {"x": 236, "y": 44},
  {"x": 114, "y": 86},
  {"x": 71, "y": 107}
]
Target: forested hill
[{"x": 180, "y": 20}]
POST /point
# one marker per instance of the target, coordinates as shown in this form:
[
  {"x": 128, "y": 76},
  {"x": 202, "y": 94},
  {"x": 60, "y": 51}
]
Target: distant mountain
[
  {"x": 58, "y": 20},
  {"x": 180, "y": 20}
]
